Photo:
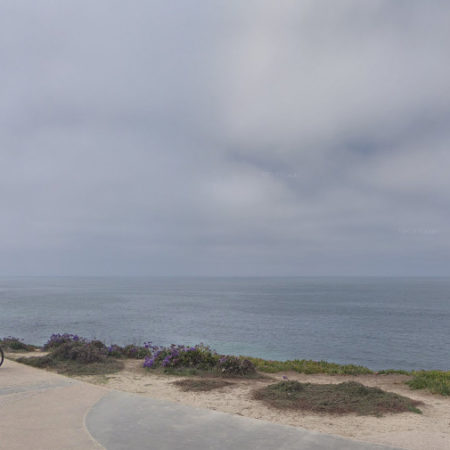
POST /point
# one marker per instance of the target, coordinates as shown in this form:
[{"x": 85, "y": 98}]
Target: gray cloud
[{"x": 223, "y": 137}]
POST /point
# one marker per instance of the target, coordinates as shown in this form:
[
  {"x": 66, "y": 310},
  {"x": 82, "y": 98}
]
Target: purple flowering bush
[
  {"x": 200, "y": 357},
  {"x": 181, "y": 356},
  {"x": 59, "y": 339},
  {"x": 115, "y": 351},
  {"x": 72, "y": 349}
]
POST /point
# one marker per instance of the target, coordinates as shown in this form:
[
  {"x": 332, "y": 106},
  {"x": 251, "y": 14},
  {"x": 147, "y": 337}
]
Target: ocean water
[{"x": 380, "y": 323}]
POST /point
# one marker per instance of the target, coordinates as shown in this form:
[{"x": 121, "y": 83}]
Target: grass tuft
[
  {"x": 343, "y": 398},
  {"x": 436, "y": 381}
]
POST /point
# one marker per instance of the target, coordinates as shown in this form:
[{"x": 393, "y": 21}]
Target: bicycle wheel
[{"x": 2, "y": 357}]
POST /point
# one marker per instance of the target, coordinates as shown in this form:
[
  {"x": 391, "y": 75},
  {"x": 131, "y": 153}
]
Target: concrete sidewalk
[
  {"x": 164, "y": 425},
  {"x": 42, "y": 410}
]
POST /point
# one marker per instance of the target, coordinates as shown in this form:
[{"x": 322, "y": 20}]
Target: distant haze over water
[{"x": 380, "y": 323}]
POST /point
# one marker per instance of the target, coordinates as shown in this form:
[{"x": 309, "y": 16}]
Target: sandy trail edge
[{"x": 430, "y": 430}]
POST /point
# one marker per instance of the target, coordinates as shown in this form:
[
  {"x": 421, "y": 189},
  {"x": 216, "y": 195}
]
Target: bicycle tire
[{"x": 2, "y": 356}]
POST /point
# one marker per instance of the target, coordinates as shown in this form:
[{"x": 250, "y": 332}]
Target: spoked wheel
[{"x": 2, "y": 357}]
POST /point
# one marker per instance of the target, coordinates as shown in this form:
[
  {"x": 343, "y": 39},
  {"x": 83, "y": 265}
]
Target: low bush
[
  {"x": 72, "y": 355},
  {"x": 129, "y": 351},
  {"x": 177, "y": 359},
  {"x": 115, "y": 351},
  {"x": 343, "y": 398},
  {"x": 13, "y": 344},
  {"x": 232, "y": 365},
  {"x": 80, "y": 351},
  {"x": 58, "y": 339},
  {"x": 133, "y": 351}
]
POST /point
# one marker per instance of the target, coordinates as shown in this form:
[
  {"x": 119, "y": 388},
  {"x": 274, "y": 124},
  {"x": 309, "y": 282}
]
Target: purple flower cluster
[
  {"x": 58, "y": 339},
  {"x": 115, "y": 351},
  {"x": 174, "y": 356}
]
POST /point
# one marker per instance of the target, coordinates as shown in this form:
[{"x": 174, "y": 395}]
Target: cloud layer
[{"x": 225, "y": 137}]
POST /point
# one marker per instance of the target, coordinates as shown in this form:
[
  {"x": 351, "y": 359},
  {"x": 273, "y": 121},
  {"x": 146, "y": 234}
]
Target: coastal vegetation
[
  {"x": 13, "y": 344},
  {"x": 201, "y": 384},
  {"x": 199, "y": 357},
  {"x": 308, "y": 367},
  {"x": 436, "y": 381},
  {"x": 344, "y": 398},
  {"x": 74, "y": 355}
]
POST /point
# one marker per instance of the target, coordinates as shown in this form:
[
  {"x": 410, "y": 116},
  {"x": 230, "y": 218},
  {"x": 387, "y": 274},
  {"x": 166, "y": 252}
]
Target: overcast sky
[{"x": 302, "y": 137}]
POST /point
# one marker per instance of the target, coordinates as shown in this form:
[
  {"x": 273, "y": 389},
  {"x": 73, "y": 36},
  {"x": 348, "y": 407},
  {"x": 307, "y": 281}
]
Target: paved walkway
[{"x": 42, "y": 410}]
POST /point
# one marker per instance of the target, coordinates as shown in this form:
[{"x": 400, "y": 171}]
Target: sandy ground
[{"x": 427, "y": 431}]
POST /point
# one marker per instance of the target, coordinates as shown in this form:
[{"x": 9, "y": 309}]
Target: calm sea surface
[{"x": 381, "y": 323}]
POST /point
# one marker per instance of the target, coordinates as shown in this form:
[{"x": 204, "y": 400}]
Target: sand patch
[{"x": 430, "y": 430}]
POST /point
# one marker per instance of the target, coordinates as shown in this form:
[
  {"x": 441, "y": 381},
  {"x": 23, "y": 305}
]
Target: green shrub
[
  {"x": 231, "y": 365},
  {"x": 58, "y": 339},
  {"x": 14, "y": 344},
  {"x": 116, "y": 351},
  {"x": 135, "y": 352},
  {"x": 76, "y": 357},
  {"x": 83, "y": 352}
]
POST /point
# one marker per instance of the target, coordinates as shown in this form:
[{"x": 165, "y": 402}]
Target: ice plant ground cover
[
  {"x": 343, "y": 398},
  {"x": 72, "y": 354},
  {"x": 309, "y": 367}
]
